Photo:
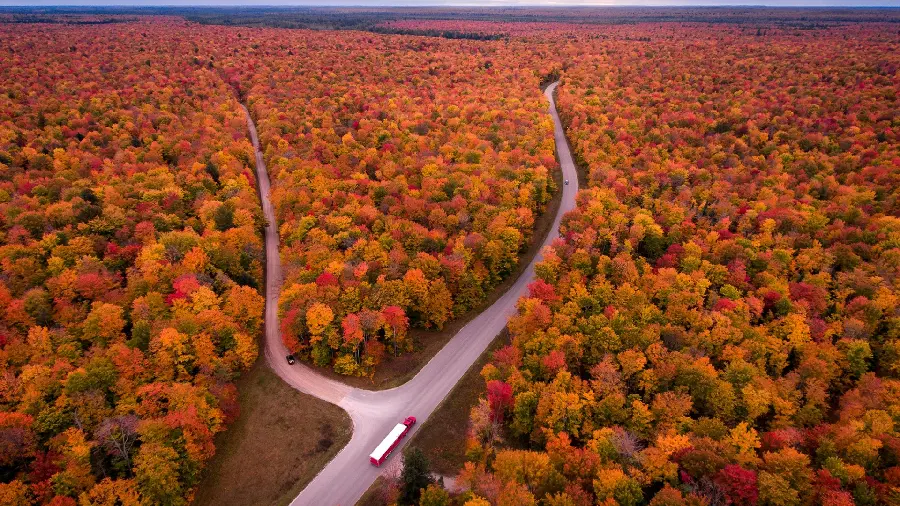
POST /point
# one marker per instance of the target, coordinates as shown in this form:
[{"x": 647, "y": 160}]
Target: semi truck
[{"x": 393, "y": 439}]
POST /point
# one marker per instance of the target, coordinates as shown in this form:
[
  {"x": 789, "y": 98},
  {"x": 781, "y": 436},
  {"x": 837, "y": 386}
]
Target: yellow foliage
[
  {"x": 606, "y": 481},
  {"x": 745, "y": 441},
  {"x": 245, "y": 348},
  {"x": 203, "y": 299},
  {"x": 318, "y": 318}
]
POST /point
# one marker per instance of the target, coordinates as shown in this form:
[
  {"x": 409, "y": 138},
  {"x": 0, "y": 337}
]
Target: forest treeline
[{"x": 376, "y": 18}]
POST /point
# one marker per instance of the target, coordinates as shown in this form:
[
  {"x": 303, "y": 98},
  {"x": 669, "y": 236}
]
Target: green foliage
[{"x": 415, "y": 477}]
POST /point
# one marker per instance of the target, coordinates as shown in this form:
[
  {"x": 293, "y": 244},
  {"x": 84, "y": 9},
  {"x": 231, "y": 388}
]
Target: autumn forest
[{"x": 716, "y": 324}]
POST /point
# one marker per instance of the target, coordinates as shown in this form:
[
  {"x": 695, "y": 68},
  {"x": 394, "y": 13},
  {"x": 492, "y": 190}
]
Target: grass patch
[
  {"x": 372, "y": 497},
  {"x": 443, "y": 436},
  {"x": 280, "y": 441}
]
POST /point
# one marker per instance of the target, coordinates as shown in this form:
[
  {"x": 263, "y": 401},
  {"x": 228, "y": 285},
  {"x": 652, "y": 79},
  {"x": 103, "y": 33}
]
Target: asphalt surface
[{"x": 346, "y": 478}]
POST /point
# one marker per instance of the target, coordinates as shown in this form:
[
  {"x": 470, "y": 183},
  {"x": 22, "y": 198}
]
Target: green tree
[{"x": 415, "y": 477}]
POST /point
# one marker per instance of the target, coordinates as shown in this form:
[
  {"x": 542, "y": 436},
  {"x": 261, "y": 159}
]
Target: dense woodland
[
  {"x": 407, "y": 177},
  {"x": 130, "y": 263},
  {"x": 719, "y": 323}
]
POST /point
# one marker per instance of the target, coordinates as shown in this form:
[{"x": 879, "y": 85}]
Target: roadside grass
[
  {"x": 395, "y": 371},
  {"x": 280, "y": 441},
  {"x": 443, "y": 436},
  {"x": 372, "y": 497}
]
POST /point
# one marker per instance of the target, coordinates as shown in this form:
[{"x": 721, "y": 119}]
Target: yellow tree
[{"x": 318, "y": 317}]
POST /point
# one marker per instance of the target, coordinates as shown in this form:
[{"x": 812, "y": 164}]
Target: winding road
[{"x": 346, "y": 478}]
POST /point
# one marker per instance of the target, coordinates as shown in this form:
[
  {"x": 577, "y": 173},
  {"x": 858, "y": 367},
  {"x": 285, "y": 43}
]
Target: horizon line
[{"x": 554, "y": 5}]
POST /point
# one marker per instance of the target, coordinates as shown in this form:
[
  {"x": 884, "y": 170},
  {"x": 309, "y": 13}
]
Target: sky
[{"x": 486, "y": 3}]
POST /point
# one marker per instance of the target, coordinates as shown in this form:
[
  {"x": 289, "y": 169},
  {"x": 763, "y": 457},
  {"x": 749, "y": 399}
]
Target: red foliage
[
  {"x": 62, "y": 501},
  {"x": 227, "y": 396},
  {"x": 539, "y": 289},
  {"x": 724, "y": 305},
  {"x": 826, "y": 482},
  {"x": 500, "y": 398},
  {"x": 554, "y": 362},
  {"x": 508, "y": 356},
  {"x": 327, "y": 279},
  {"x": 739, "y": 484},
  {"x": 813, "y": 296},
  {"x": 44, "y": 466}
]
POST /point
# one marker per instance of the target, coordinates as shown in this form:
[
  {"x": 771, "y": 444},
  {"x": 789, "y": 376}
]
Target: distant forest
[{"x": 373, "y": 19}]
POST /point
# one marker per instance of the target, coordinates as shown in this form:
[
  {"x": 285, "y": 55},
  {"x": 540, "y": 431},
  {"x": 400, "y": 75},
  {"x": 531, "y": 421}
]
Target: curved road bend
[{"x": 346, "y": 478}]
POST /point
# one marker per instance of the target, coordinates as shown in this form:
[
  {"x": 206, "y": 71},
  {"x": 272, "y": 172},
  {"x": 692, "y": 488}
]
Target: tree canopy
[{"x": 718, "y": 323}]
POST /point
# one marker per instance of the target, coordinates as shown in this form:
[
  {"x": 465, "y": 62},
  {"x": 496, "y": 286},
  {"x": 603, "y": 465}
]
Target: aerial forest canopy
[
  {"x": 407, "y": 177},
  {"x": 131, "y": 263},
  {"x": 717, "y": 324}
]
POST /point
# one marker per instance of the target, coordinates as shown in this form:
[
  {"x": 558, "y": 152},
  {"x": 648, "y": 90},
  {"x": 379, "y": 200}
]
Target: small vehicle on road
[
  {"x": 290, "y": 359},
  {"x": 390, "y": 442},
  {"x": 567, "y": 182}
]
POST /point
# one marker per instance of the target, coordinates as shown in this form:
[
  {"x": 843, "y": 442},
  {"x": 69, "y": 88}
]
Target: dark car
[{"x": 291, "y": 359}]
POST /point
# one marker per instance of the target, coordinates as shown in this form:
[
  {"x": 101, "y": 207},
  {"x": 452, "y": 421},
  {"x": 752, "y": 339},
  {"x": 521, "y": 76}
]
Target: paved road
[{"x": 343, "y": 481}]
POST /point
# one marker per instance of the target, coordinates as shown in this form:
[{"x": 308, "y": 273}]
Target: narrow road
[{"x": 344, "y": 480}]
